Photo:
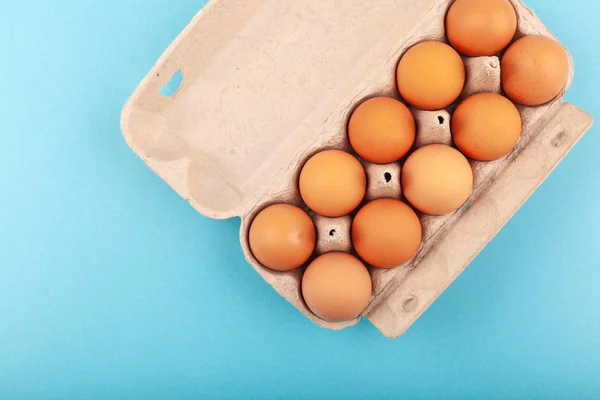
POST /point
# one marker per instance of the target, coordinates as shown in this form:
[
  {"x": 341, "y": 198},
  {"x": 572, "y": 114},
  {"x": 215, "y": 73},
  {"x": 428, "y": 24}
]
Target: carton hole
[
  {"x": 173, "y": 84},
  {"x": 441, "y": 120},
  {"x": 388, "y": 177},
  {"x": 332, "y": 232}
]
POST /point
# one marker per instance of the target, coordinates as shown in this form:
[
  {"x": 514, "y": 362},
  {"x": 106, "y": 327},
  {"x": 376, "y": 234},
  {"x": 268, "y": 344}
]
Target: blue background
[{"x": 112, "y": 287}]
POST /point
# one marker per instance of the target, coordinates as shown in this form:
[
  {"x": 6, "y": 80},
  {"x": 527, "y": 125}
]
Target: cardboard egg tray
[{"x": 268, "y": 83}]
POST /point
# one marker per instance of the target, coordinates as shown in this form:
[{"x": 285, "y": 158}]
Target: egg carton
[{"x": 268, "y": 83}]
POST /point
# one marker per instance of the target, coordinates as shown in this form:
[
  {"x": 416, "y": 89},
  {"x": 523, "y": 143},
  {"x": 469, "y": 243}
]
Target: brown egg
[
  {"x": 333, "y": 183},
  {"x": 437, "y": 179},
  {"x": 431, "y": 75},
  {"x": 386, "y": 233},
  {"x": 535, "y": 69},
  {"x": 337, "y": 287},
  {"x": 481, "y": 27},
  {"x": 382, "y": 130},
  {"x": 486, "y": 126},
  {"x": 282, "y": 237}
]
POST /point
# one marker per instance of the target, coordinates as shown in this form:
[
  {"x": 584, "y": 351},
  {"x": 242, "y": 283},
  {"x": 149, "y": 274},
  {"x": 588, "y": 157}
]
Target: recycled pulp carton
[{"x": 268, "y": 83}]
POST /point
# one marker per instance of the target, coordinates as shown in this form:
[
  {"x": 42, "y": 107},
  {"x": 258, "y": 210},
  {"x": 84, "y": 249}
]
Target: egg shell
[
  {"x": 282, "y": 237},
  {"x": 535, "y": 69},
  {"x": 332, "y": 183},
  {"x": 381, "y": 130},
  {"x": 478, "y": 28},
  {"x": 437, "y": 179},
  {"x": 386, "y": 233},
  {"x": 337, "y": 287},
  {"x": 486, "y": 126},
  {"x": 430, "y": 75}
]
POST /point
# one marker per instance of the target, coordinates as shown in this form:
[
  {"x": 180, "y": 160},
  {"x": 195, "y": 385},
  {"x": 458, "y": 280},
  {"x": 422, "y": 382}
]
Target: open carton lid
[{"x": 260, "y": 81}]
